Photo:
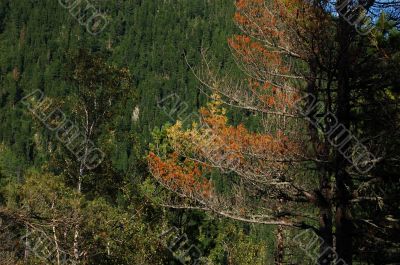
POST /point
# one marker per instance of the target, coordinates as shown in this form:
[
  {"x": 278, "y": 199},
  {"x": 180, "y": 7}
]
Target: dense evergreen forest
[{"x": 199, "y": 132}]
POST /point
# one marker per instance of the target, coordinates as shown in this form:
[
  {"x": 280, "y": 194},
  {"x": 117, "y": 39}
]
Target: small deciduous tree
[{"x": 98, "y": 89}]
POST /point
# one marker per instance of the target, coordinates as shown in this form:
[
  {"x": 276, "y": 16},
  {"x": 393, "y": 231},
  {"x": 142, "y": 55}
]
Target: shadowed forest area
[{"x": 247, "y": 132}]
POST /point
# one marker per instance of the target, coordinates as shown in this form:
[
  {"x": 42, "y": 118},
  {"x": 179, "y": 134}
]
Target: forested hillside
[
  {"x": 156, "y": 41},
  {"x": 150, "y": 38},
  {"x": 199, "y": 132}
]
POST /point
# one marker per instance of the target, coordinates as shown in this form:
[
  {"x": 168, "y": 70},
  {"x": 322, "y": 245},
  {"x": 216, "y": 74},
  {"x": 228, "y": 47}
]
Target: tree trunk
[
  {"x": 55, "y": 238},
  {"x": 76, "y": 232},
  {"x": 323, "y": 195},
  {"x": 27, "y": 247},
  {"x": 325, "y": 222},
  {"x": 343, "y": 221},
  {"x": 280, "y": 246}
]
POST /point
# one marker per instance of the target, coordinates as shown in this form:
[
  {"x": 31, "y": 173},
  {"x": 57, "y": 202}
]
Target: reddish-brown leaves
[{"x": 186, "y": 177}]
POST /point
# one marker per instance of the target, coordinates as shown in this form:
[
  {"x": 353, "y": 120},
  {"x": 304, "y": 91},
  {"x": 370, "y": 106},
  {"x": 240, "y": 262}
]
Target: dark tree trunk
[
  {"x": 343, "y": 223},
  {"x": 323, "y": 195},
  {"x": 325, "y": 222}
]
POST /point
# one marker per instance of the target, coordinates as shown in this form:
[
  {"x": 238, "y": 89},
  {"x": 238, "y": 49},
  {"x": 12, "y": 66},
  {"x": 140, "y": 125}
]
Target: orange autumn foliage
[
  {"x": 240, "y": 140},
  {"x": 254, "y": 52},
  {"x": 218, "y": 144},
  {"x": 186, "y": 178},
  {"x": 269, "y": 46},
  {"x": 262, "y": 159}
]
